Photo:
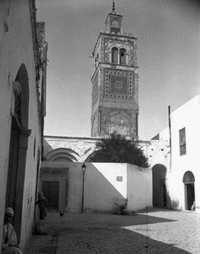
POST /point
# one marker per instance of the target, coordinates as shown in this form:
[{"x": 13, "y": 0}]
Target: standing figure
[
  {"x": 42, "y": 202},
  {"x": 10, "y": 243}
]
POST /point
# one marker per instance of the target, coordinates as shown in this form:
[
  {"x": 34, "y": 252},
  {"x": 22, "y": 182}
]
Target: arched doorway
[
  {"x": 188, "y": 180},
  {"x": 18, "y": 145},
  {"x": 159, "y": 186},
  {"x": 55, "y": 186}
]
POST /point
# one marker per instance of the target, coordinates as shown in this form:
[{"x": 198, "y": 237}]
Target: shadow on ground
[
  {"x": 100, "y": 234},
  {"x": 103, "y": 220},
  {"x": 111, "y": 241}
]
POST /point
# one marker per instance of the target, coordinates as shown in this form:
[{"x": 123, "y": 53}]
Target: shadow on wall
[
  {"x": 102, "y": 187},
  {"x": 161, "y": 196},
  {"x": 159, "y": 186},
  {"x": 105, "y": 187},
  {"x": 173, "y": 204},
  {"x": 46, "y": 147}
]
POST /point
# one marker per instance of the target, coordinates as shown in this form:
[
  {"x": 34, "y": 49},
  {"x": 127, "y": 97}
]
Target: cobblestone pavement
[{"x": 154, "y": 232}]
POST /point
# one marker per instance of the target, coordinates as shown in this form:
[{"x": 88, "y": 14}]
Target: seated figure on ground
[{"x": 10, "y": 243}]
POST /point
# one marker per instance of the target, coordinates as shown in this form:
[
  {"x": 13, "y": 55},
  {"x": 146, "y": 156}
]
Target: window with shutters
[{"x": 182, "y": 141}]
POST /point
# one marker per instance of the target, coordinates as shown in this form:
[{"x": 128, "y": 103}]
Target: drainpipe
[
  {"x": 83, "y": 167},
  {"x": 170, "y": 136}
]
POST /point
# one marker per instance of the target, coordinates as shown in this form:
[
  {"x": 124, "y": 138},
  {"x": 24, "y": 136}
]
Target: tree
[{"x": 117, "y": 148}]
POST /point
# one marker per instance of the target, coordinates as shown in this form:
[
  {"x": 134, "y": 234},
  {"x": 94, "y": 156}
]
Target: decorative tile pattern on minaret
[{"x": 115, "y": 81}]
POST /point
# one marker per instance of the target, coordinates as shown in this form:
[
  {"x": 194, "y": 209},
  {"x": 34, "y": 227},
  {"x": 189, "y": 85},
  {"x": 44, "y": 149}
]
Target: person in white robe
[{"x": 10, "y": 243}]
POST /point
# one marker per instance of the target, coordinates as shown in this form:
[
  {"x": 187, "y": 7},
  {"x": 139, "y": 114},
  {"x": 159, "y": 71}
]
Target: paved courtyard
[{"x": 152, "y": 232}]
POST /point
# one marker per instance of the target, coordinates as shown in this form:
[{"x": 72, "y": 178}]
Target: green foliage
[
  {"x": 120, "y": 209},
  {"x": 118, "y": 149}
]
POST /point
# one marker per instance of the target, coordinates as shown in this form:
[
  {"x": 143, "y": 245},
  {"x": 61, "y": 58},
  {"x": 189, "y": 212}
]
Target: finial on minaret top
[
  {"x": 113, "y": 20},
  {"x": 113, "y": 6}
]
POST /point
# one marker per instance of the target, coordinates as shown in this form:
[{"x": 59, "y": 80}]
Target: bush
[{"x": 117, "y": 148}]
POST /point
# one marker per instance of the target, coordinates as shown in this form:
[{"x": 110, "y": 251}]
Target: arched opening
[
  {"x": 18, "y": 146},
  {"x": 62, "y": 154},
  {"x": 115, "y": 26},
  {"x": 55, "y": 188},
  {"x": 159, "y": 186},
  {"x": 188, "y": 180},
  {"x": 115, "y": 55},
  {"x": 122, "y": 56},
  {"x": 63, "y": 158}
]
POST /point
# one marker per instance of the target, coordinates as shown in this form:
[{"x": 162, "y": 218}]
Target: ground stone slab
[{"x": 152, "y": 232}]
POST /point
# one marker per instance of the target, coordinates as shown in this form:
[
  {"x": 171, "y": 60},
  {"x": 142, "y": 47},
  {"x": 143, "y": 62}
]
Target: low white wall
[
  {"x": 105, "y": 185},
  {"x": 139, "y": 187},
  {"x": 102, "y": 188}
]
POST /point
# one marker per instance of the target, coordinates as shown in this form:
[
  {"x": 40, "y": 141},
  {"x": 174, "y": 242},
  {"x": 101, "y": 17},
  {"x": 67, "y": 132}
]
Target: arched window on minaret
[
  {"x": 115, "y": 55},
  {"x": 122, "y": 56}
]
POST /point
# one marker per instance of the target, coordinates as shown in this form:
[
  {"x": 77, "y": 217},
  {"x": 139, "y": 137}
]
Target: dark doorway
[
  {"x": 189, "y": 188},
  {"x": 159, "y": 186},
  {"x": 13, "y": 165},
  {"x": 19, "y": 134},
  {"x": 188, "y": 180},
  {"x": 51, "y": 192}
]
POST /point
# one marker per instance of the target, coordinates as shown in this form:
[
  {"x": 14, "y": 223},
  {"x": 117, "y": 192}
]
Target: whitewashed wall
[
  {"x": 186, "y": 116},
  {"x": 105, "y": 185},
  {"x": 16, "y": 48},
  {"x": 139, "y": 187}
]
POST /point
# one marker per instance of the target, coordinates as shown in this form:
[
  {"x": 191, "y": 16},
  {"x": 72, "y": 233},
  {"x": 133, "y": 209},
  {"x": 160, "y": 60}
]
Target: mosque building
[{"x": 114, "y": 108}]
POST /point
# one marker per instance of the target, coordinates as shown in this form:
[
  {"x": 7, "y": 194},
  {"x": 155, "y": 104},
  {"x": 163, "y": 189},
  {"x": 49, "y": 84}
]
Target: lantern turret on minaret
[
  {"x": 115, "y": 81},
  {"x": 113, "y": 22}
]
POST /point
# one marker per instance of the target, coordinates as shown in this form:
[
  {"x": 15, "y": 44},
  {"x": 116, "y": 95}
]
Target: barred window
[{"x": 182, "y": 141}]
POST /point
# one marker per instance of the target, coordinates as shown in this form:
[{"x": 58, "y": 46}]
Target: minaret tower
[{"x": 115, "y": 81}]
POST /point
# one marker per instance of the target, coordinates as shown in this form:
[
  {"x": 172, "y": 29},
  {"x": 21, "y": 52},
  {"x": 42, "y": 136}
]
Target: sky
[{"x": 168, "y": 33}]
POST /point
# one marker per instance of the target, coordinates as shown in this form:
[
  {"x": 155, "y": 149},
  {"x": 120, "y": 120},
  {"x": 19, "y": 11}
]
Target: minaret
[{"x": 115, "y": 81}]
